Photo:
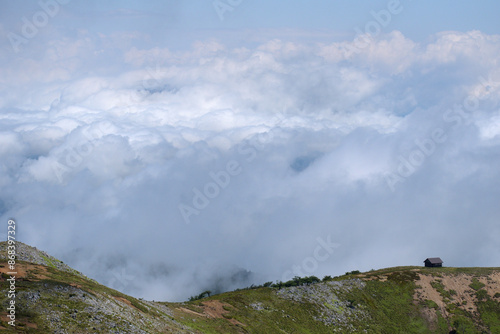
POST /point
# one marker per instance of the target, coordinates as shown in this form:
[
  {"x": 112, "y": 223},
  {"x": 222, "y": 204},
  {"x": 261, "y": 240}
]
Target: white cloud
[{"x": 293, "y": 141}]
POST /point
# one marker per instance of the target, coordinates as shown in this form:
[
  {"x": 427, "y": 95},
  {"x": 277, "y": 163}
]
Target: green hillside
[{"x": 53, "y": 298}]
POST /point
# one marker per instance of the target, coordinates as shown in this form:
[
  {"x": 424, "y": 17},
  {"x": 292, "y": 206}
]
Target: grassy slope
[
  {"x": 383, "y": 301},
  {"x": 387, "y": 303},
  {"x": 49, "y": 299}
]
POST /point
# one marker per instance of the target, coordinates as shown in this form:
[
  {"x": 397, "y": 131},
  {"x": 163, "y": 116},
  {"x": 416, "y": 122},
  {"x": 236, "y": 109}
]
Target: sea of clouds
[{"x": 163, "y": 173}]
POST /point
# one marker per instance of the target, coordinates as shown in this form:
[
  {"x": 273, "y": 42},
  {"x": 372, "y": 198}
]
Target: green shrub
[
  {"x": 482, "y": 294},
  {"x": 200, "y": 296},
  {"x": 297, "y": 281},
  {"x": 476, "y": 285},
  {"x": 354, "y": 272},
  {"x": 431, "y": 304}
]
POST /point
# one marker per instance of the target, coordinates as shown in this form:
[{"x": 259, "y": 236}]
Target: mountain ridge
[{"x": 51, "y": 297}]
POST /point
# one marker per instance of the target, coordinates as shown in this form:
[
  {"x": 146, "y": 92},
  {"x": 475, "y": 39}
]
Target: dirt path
[
  {"x": 126, "y": 301},
  {"x": 213, "y": 309}
]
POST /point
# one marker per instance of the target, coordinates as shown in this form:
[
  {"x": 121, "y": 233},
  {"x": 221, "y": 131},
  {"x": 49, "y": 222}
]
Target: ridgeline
[{"x": 54, "y": 298}]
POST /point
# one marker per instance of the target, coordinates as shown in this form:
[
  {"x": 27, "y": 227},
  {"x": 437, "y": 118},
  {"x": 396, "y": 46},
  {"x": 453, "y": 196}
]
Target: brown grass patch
[
  {"x": 23, "y": 320},
  {"x": 24, "y": 270}
]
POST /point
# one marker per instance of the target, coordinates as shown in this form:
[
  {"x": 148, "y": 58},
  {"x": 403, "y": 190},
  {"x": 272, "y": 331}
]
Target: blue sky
[
  {"x": 164, "y": 20},
  {"x": 227, "y": 151},
  {"x": 418, "y": 18}
]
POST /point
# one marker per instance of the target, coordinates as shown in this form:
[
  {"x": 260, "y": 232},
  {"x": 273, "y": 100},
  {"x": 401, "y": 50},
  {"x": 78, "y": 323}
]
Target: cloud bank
[{"x": 164, "y": 173}]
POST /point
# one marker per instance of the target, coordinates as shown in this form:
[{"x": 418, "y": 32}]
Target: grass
[
  {"x": 431, "y": 304},
  {"x": 383, "y": 303},
  {"x": 490, "y": 314},
  {"x": 48, "y": 261},
  {"x": 277, "y": 315},
  {"x": 390, "y": 304},
  {"x": 389, "y": 307},
  {"x": 62, "y": 292},
  {"x": 476, "y": 285},
  {"x": 446, "y": 294}
]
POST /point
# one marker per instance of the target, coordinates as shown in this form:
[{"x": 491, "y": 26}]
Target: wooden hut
[{"x": 433, "y": 262}]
